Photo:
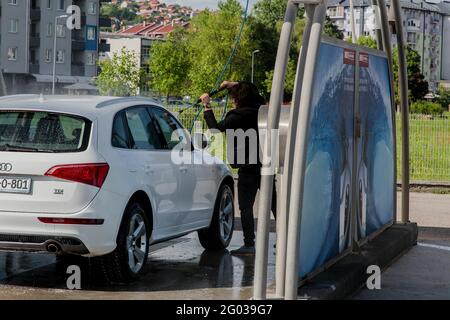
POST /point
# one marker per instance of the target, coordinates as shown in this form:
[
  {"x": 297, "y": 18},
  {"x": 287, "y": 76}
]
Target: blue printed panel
[
  {"x": 375, "y": 147},
  {"x": 91, "y": 38},
  {"x": 327, "y": 196}
]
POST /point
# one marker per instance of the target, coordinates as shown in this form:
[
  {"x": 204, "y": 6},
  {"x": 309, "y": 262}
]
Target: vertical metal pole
[
  {"x": 253, "y": 66},
  {"x": 356, "y": 135},
  {"x": 300, "y": 153},
  {"x": 282, "y": 214},
  {"x": 386, "y": 35},
  {"x": 403, "y": 88},
  {"x": 352, "y": 22},
  {"x": 378, "y": 36},
  {"x": 265, "y": 199}
]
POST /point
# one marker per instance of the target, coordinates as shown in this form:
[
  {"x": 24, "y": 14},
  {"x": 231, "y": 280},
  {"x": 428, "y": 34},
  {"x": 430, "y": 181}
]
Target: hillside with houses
[{"x": 146, "y": 12}]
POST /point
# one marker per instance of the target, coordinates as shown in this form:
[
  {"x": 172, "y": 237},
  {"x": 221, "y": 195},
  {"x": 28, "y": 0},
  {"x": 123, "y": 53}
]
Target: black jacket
[{"x": 244, "y": 118}]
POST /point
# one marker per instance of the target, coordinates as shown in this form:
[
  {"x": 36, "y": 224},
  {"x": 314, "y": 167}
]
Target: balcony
[
  {"x": 35, "y": 14},
  {"x": 34, "y": 68},
  {"x": 35, "y": 41},
  {"x": 78, "y": 45},
  {"x": 77, "y": 69}
]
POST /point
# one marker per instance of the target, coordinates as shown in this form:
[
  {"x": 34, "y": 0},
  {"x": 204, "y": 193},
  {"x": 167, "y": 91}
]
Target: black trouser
[{"x": 249, "y": 182}]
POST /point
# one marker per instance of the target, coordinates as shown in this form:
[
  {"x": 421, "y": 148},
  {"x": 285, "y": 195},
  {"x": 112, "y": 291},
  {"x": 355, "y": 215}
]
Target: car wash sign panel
[
  {"x": 375, "y": 146},
  {"x": 326, "y": 220},
  {"x": 335, "y": 146}
]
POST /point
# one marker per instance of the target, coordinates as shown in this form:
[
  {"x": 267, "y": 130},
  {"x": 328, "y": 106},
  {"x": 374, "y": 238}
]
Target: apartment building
[
  {"x": 426, "y": 25},
  {"x": 28, "y": 29}
]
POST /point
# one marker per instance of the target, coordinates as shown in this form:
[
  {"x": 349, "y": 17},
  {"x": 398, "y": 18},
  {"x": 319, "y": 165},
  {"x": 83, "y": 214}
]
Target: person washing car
[{"x": 247, "y": 101}]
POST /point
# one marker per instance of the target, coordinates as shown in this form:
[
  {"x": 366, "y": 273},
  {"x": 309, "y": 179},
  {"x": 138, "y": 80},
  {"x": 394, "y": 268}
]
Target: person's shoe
[{"x": 244, "y": 251}]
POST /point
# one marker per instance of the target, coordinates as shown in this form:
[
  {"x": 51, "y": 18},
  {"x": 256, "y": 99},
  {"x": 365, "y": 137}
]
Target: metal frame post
[
  {"x": 352, "y": 22},
  {"x": 282, "y": 215},
  {"x": 378, "y": 35},
  {"x": 387, "y": 48},
  {"x": 266, "y": 190},
  {"x": 300, "y": 153},
  {"x": 403, "y": 88},
  {"x": 356, "y": 134}
]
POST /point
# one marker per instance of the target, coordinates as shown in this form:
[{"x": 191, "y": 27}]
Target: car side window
[
  {"x": 119, "y": 132},
  {"x": 172, "y": 131},
  {"x": 142, "y": 130}
]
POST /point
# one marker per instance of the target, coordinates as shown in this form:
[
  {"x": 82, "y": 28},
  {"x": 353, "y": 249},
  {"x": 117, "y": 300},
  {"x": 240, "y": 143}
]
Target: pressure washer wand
[{"x": 211, "y": 94}]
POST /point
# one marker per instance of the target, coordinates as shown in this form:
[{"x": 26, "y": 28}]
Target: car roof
[{"x": 86, "y": 106}]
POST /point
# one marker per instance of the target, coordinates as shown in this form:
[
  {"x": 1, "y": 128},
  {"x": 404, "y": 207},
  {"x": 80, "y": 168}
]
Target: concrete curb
[{"x": 348, "y": 275}]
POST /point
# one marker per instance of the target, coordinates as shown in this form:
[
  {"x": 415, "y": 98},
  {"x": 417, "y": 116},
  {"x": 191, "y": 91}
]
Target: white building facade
[{"x": 426, "y": 29}]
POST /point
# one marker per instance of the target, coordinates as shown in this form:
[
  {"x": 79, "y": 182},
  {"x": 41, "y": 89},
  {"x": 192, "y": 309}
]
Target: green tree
[
  {"x": 331, "y": 29},
  {"x": 367, "y": 41},
  {"x": 120, "y": 76},
  {"x": 443, "y": 98},
  {"x": 168, "y": 64},
  {"x": 126, "y": 15},
  {"x": 417, "y": 85},
  {"x": 292, "y": 63},
  {"x": 270, "y": 12},
  {"x": 210, "y": 39}
]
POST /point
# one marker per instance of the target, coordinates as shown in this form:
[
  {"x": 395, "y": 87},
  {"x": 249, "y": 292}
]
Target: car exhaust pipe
[{"x": 53, "y": 247}]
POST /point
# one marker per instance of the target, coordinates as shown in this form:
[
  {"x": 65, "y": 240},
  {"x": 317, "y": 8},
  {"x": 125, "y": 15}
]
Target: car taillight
[
  {"x": 71, "y": 221},
  {"x": 93, "y": 174}
]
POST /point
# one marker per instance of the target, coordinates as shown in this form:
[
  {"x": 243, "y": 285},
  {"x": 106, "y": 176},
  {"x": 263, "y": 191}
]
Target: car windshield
[{"x": 30, "y": 131}]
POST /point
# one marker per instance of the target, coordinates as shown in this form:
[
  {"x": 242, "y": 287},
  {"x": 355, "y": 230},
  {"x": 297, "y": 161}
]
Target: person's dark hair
[{"x": 246, "y": 94}]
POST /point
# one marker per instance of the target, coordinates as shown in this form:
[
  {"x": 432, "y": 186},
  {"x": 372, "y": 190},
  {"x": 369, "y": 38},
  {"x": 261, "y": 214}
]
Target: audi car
[{"x": 96, "y": 177}]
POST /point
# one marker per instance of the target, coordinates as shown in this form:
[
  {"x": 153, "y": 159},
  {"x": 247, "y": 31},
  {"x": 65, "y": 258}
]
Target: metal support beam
[
  {"x": 403, "y": 89},
  {"x": 266, "y": 190},
  {"x": 378, "y": 36},
  {"x": 387, "y": 47},
  {"x": 301, "y": 143},
  {"x": 282, "y": 215}
]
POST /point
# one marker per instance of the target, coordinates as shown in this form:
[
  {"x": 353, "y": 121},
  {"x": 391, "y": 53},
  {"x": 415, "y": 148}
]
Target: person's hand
[
  {"x": 206, "y": 100},
  {"x": 228, "y": 85}
]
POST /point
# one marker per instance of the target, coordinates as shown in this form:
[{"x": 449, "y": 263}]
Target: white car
[{"x": 93, "y": 176}]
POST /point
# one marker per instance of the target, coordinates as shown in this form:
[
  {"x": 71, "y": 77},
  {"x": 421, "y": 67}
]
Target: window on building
[
  {"x": 49, "y": 4},
  {"x": 12, "y": 54},
  {"x": 48, "y": 55},
  {"x": 49, "y": 29},
  {"x": 92, "y": 8},
  {"x": 91, "y": 58},
  {"x": 91, "y": 33},
  {"x": 13, "y": 25},
  {"x": 60, "y": 4},
  {"x": 60, "y": 55},
  {"x": 13, "y": 2},
  {"x": 60, "y": 31}
]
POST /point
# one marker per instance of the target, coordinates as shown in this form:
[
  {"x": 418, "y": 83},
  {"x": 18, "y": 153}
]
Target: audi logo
[{"x": 6, "y": 167}]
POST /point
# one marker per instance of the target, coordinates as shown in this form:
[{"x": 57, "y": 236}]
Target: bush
[
  {"x": 426, "y": 107},
  {"x": 443, "y": 98}
]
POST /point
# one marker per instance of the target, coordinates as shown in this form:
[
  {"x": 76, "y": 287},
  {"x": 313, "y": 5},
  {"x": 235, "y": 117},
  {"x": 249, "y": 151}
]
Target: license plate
[{"x": 15, "y": 185}]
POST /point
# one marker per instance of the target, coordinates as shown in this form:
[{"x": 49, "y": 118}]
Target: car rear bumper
[
  {"x": 59, "y": 245},
  {"x": 25, "y": 232}
]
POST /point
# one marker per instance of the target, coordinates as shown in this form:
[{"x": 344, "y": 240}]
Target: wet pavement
[
  {"x": 178, "y": 269},
  {"x": 181, "y": 269}
]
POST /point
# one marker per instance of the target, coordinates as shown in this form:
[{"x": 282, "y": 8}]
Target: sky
[{"x": 201, "y": 4}]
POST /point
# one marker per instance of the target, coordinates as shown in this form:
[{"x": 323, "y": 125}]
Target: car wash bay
[{"x": 180, "y": 269}]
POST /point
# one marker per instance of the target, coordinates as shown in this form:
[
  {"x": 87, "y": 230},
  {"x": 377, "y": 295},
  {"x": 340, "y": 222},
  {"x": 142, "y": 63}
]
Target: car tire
[
  {"x": 126, "y": 263},
  {"x": 218, "y": 235}
]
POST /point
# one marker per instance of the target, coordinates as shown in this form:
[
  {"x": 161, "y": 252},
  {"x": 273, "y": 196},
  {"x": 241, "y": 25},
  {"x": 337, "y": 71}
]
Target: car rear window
[{"x": 30, "y": 131}]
